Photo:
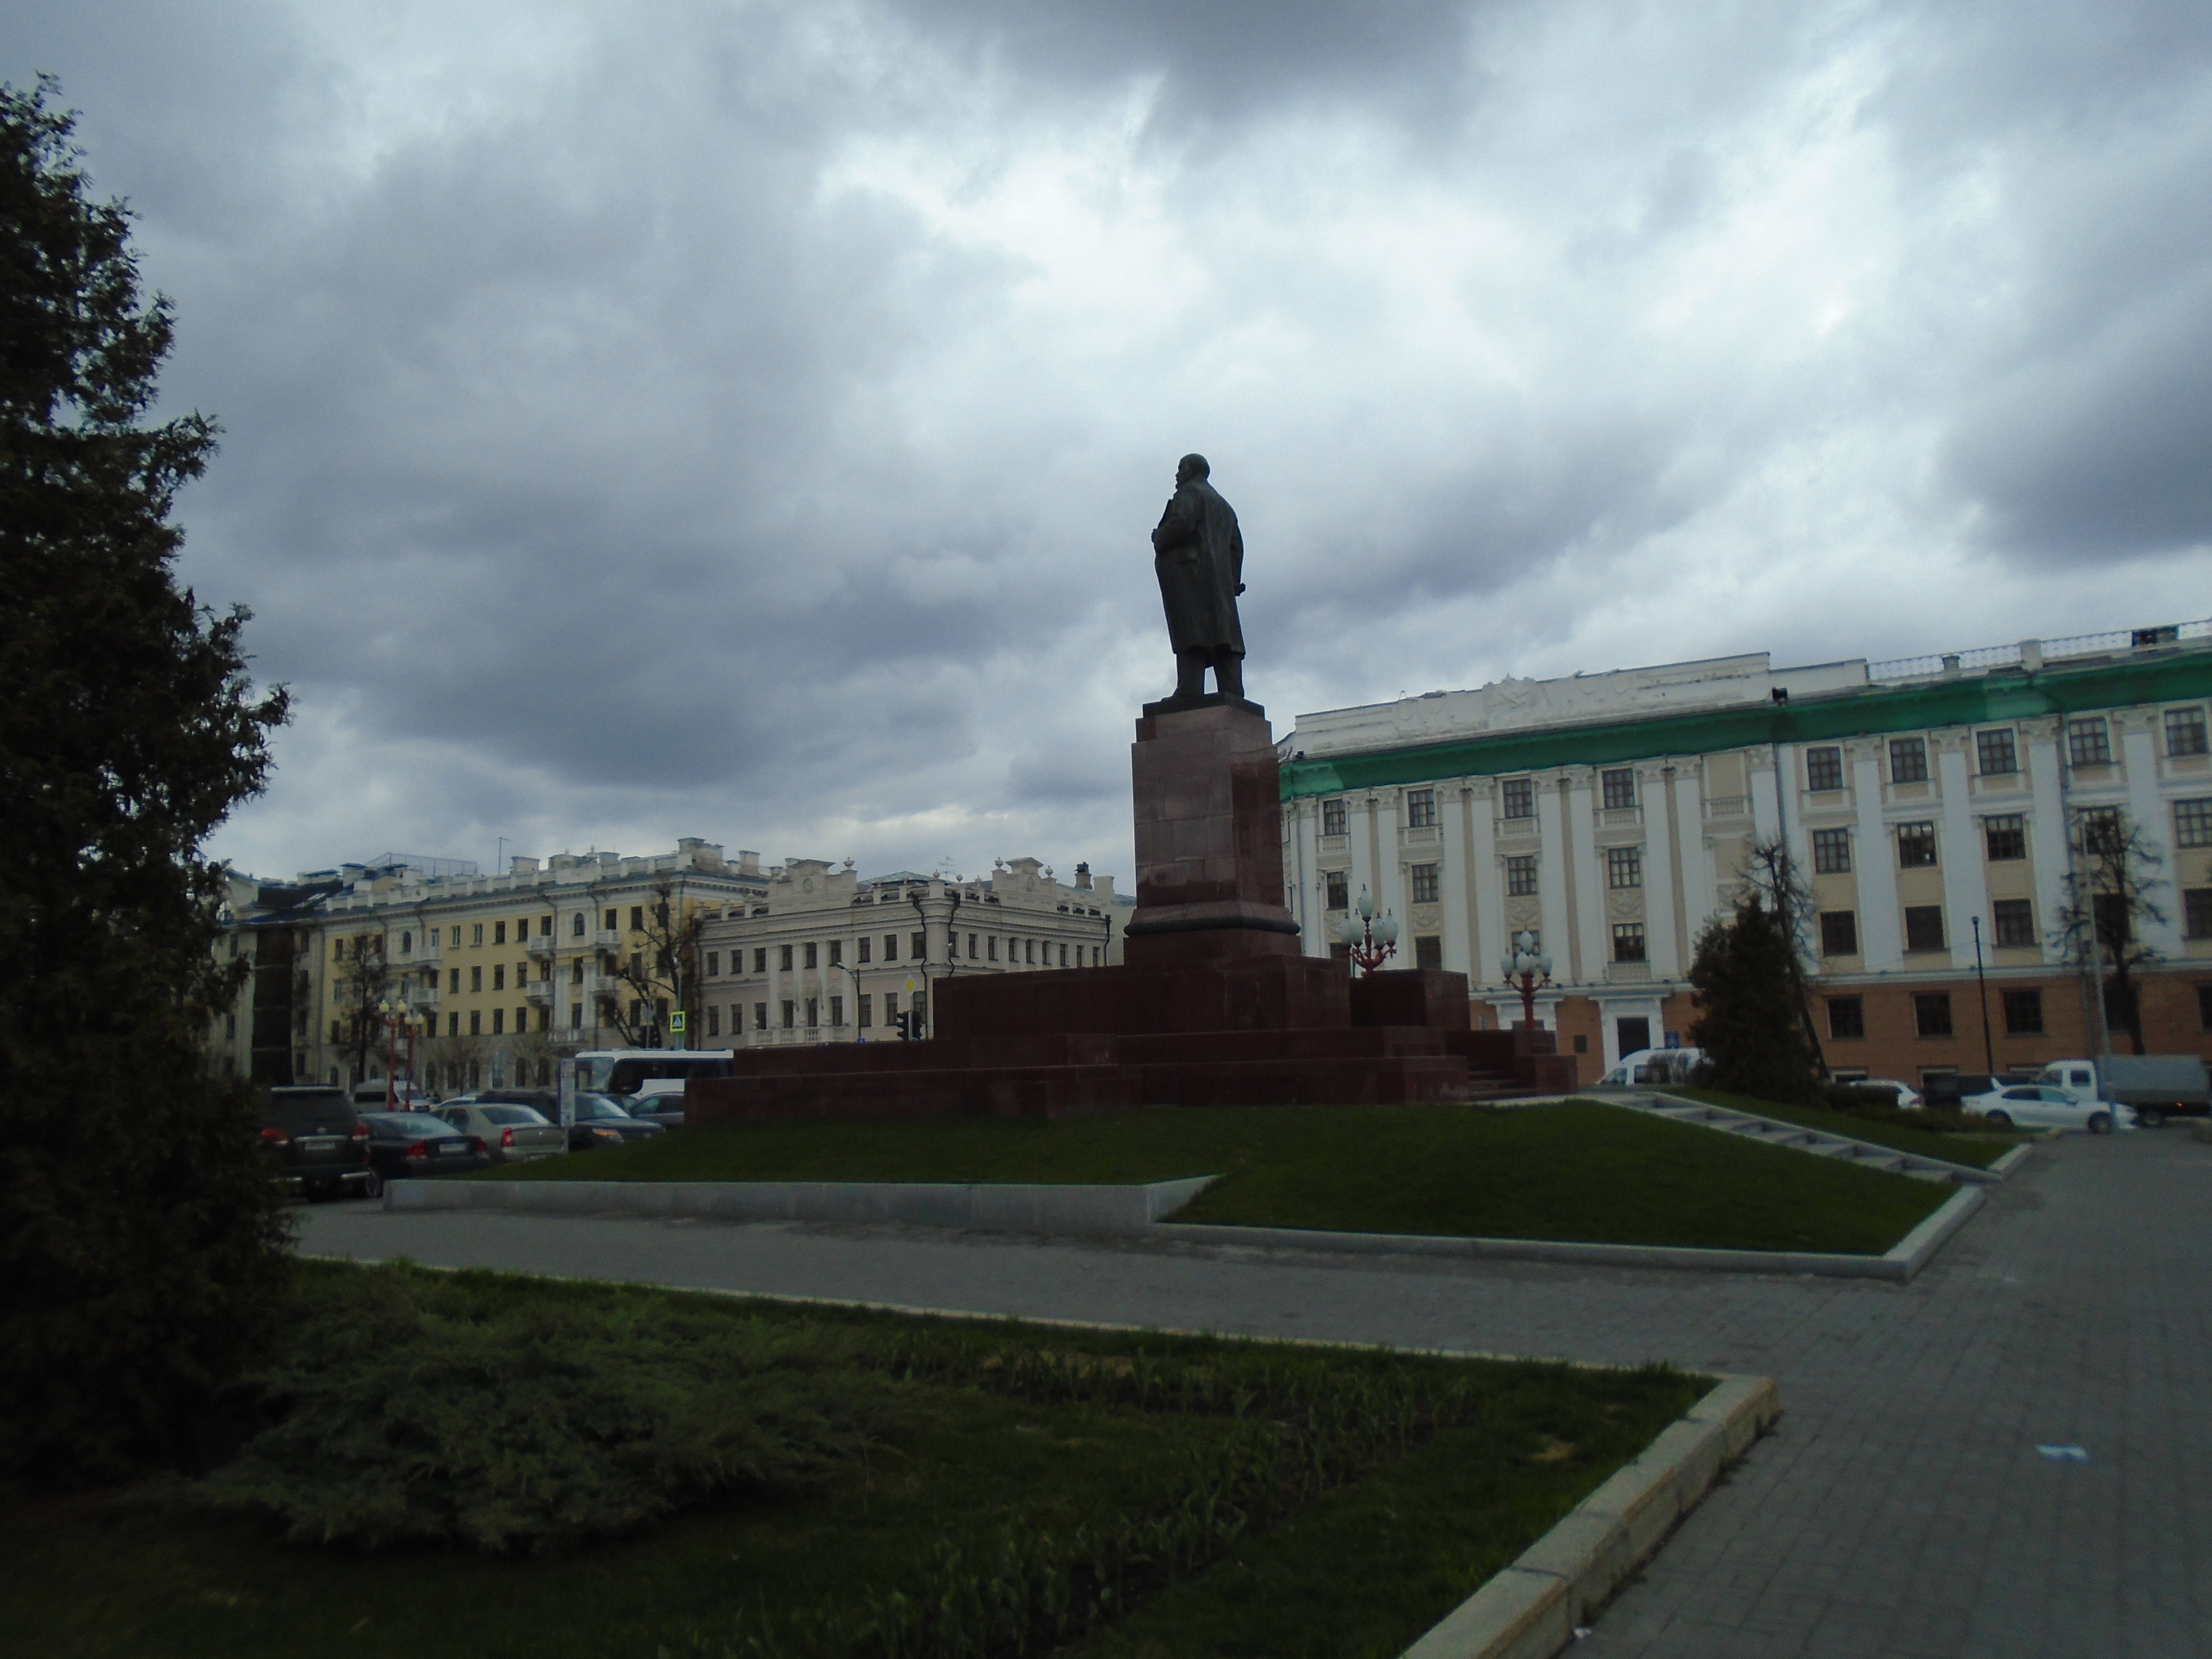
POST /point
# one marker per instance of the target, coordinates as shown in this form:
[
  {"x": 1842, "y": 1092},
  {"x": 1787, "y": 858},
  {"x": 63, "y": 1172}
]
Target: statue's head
[{"x": 1189, "y": 467}]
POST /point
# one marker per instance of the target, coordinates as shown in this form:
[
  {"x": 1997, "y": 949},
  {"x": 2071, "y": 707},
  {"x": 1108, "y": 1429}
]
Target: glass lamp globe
[{"x": 1386, "y": 931}]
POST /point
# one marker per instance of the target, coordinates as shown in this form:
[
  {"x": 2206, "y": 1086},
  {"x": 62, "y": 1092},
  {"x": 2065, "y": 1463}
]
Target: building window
[
  {"x": 991, "y": 948},
  {"x": 1824, "y": 768},
  {"x": 714, "y": 964},
  {"x": 453, "y": 979},
  {"x": 1846, "y": 1018},
  {"x": 2023, "y": 1013},
  {"x": 760, "y": 1016},
  {"x": 1428, "y": 951},
  {"x": 714, "y": 1019},
  {"x": 612, "y": 922},
  {"x": 499, "y": 1022},
  {"x": 862, "y": 948},
  {"x": 1063, "y": 956},
  {"x": 1032, "y": 952},
  {"x": 2004, "y": 834},
  {"x": 1924, "y": 927},
  {"x": 1618, "y": 786},
  {"x": 2197, "y": 912},
  {"x": 1624, "y": 866},
  {"x": 457, "y": 935},
  {"x": 476, "y": 980},
  {"x": 919, "y": 947},
  {"x": 836, "y": 953},
  {"x": 1931, "y": 1013},
  {"x": 1839, "y": 933},
  {"x": 1420, "y": 808},
  {"x": 2192, "y": 824},
  {"x": 2184, "y": 732},
  {"x": 1425, "y": 883},
  {"x": 1995, "y": 753},
  {"x": 867, "y": 1010},
  {"x": 1628, "y": 941},
  {"x": 890, "y": 1007},
  {"x": 2014, "y": 921},
  {"x": 499, "y": 933},
  {"x": 790, "y": 1016},
  {"x": 1915, "y": 846},
  {"x": 1520, "y": 876},
  {"x": 2089, "y": 741},
  {"x": 1908, "y": 760},
  {"x": 406, "y": 945},
  {"x": 890, "y": 947},
  {"x": 1832, "y": 852},
  {"x": 1332, "y": 817},
  {"x": 475, "y": 933},
  {"x": 760, "y": 958},
  {"x": 499, "y": 977},
  {"x": 476, "y": 1022},
  {"x": 837, "y": 1011},
  {"x": 809, "y": 948},
  {"x": 812, "y": 1023},
  {"x": 1338, "y": 885},
  {"x": 1519, "y": 795},
  {"x": 783, "y": 957},
  {"x": 637, "y": 918},
  {"x": 576, "y": 1018}
]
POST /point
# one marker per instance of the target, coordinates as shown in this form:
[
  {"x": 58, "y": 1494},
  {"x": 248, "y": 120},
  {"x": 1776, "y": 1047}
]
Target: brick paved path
[{"x": 1900, "y": 1510}]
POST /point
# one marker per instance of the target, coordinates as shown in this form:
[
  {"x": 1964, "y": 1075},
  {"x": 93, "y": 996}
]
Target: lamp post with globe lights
[
  {"x": 397, "y": 1015},
  {"x": 1370, "y": 941},
  {"x": 1527, "y": 968}
]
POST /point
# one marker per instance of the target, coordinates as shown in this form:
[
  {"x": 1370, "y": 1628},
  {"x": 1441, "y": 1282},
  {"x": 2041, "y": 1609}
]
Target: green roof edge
[{"x": 2001, "y": 695}]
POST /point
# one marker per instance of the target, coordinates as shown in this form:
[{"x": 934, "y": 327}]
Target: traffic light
[{"x": 906, "y": 1028}]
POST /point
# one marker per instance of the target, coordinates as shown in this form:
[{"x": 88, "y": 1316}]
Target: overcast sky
[{"x": 745, "y": 420}]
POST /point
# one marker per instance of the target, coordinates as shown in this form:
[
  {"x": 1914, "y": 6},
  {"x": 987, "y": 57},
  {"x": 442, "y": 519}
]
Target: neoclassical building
[
  {"x": 826, "y": 956},
  {"x": 1931, "y": 799}
]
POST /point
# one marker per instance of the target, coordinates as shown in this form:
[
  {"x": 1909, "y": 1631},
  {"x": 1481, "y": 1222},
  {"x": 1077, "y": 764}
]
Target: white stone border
[{"x": 1532, "y": 1609}]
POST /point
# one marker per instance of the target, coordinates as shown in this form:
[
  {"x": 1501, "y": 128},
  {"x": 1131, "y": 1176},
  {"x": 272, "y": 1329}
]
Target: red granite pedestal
[{"x": 1214, "y": 1004}]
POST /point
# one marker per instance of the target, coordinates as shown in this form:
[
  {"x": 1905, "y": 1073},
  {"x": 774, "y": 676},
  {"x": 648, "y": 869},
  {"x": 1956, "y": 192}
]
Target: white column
[
  {"x": 2047, "y": 834},
  {"x": 1453, "y": 810},
  {"x": 1487, "y": 883},
  {"x": 1658, "y": 878},
  {"x": 2155, "y": 820},
  {"x": 1766, "y": 798},
  {"x": 1305, "y": 823},
  {"x": 1553, "y": 876},
  {"x": 1874, "y": 862},
  {"x": 1389, "y": 877},
  {"x": 1966, "y": 889},
  {"x": 1589, "y": 882},
  {"x": 1700, "y": 889}
]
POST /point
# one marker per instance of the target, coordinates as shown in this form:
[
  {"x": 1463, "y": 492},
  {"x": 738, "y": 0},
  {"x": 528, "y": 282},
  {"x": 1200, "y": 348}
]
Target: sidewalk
[{"x": 1901, "y": 1509}]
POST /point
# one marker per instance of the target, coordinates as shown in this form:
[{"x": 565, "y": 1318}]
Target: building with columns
[
  {"x": 826, "y": 956},
  {"x": 1930, "y": 799}
]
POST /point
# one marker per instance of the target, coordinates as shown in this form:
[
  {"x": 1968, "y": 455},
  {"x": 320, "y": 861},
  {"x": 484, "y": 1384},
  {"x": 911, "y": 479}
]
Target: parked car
[
  {"x": 321, "y": 1144},
  {"x": 1646, "y": 1067},
  {"x": 375, "y": 1094},
  {"x": 2157, "y": 1085},
  {"x": 411, "y": 1146},
  {"x": 600, "y": 1119},
  {"x": 665, "y": 1108},
  {"x": 511, "y": 1133},
  {"x": 2040, "y": 1106},
  {"x": 1908, "y": 1097},
  {"x": 1955, "y": 1089}
]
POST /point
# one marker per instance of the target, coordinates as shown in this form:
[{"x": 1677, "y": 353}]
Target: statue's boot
[
  {"x": 1229, "y": 673},
  {"x": 1190, "y": 674}
]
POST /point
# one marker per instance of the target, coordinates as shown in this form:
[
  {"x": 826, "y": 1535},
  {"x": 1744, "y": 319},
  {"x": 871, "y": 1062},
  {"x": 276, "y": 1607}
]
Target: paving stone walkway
[{"x": 1901, "y": 1509}]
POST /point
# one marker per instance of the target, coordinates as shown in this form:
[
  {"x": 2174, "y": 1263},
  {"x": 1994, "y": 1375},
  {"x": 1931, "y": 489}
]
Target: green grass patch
[
  {"x": 1581, "y": 1172},
  {"x": 1017, "y": 1489},
  {"x": 1975, "y": 1146}
]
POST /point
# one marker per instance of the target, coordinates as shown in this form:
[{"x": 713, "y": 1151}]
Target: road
[{"x": 1901, "y": 1509}]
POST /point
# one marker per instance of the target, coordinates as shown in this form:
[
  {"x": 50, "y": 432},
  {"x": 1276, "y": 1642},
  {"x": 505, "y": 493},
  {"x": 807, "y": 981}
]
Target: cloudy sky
[{"x": 745, "y": 419}]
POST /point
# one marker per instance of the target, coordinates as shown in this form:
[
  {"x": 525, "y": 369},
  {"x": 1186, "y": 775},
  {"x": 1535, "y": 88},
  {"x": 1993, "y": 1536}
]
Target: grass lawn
[
  {"x": 1580, "y": 1172},
  {"x": 1980, "y": 1151},
  {"x": 1191, "y": 1496}
]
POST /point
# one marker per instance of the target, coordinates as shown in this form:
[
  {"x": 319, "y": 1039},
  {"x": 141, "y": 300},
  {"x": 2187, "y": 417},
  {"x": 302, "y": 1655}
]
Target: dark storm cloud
[{"x": 746, "y": 420}]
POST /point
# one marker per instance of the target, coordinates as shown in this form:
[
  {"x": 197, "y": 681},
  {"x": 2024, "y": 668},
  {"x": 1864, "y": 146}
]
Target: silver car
[
  {"x": 2039, "y": 1106},
  {"x": 511, "y": 1133}
]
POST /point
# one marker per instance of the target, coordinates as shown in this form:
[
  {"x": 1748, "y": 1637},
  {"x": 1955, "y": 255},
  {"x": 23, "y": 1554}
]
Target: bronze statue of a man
[{"x": 1197, "y": 553}]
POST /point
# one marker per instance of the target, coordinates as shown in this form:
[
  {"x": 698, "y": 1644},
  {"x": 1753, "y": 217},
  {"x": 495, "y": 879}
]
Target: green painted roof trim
[{"x": 1984, "y": 700}]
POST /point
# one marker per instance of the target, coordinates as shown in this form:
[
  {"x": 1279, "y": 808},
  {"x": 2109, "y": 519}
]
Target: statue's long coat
[{"x": 1199, "y": 555}]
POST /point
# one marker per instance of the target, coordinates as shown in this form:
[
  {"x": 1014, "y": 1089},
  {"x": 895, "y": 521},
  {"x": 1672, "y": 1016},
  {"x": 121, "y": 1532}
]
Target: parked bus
[{"x": 648, "y": 1071}]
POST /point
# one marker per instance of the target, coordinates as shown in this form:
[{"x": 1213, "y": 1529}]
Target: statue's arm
[
  {"x": 1179, "y": 524},
  {"x": 1237, "y": 555}
]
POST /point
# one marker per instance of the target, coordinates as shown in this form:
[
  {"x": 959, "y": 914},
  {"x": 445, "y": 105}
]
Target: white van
[
  {"x": 1647, "y": 1067},
  {"x": 368, "y": 1095}
]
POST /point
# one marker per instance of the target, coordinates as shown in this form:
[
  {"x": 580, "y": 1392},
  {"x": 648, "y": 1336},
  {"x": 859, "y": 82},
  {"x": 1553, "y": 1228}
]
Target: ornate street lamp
[
  {"x": 1371, "y": 942},
  {"x": 1527, "y": 968},
  {"x": 390, "y": 1012}
]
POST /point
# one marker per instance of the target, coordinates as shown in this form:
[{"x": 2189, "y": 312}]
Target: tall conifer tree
[{"x": 141, "y": 1234}]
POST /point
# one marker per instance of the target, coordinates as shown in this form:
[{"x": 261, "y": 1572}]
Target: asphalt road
[{"x": 1902, "y": 1507}]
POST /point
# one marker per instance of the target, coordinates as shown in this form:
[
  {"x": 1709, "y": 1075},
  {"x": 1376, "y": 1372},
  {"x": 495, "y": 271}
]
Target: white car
[
  {"x": 2040, "y": 1106},
  {"x": 1908, "y": 1097}
]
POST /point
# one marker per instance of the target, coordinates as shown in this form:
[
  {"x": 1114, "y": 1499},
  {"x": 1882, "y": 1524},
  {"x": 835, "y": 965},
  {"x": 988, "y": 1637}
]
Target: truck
[{"x": 2158, "y": 1087}]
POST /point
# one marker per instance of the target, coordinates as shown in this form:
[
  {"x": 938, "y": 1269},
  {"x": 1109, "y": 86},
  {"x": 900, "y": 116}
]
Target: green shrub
[{"x": 420, "y": 1409}]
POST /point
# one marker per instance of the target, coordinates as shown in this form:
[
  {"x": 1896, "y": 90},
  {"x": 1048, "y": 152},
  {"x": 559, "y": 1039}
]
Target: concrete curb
[
  {"x": 1094, "y": 1212},
  {"x": 2012, "y": 1160},
  {"x": 1962, "y": 1174},
  {"x": 1532, "y": 1609},
  {"x": 1900, "y": 1263}
]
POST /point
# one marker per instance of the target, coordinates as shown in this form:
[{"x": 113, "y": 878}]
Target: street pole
[{"x": 1989, "y": 1048}]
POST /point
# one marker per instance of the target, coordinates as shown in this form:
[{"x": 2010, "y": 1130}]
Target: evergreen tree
[
  {"x": 141, "y": 1233},
  {"x": 1751, "y": 1007}
]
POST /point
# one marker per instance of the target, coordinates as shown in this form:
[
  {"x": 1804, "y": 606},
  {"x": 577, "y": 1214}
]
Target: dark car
[
  {"x": 411, "y": 1146},
  {"x": 600, "y": 1119},
  {"x": 319, "y": 1142},
  {"x": 665, "y": 1110},
  {"x": 1946, "y": 1089}
]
